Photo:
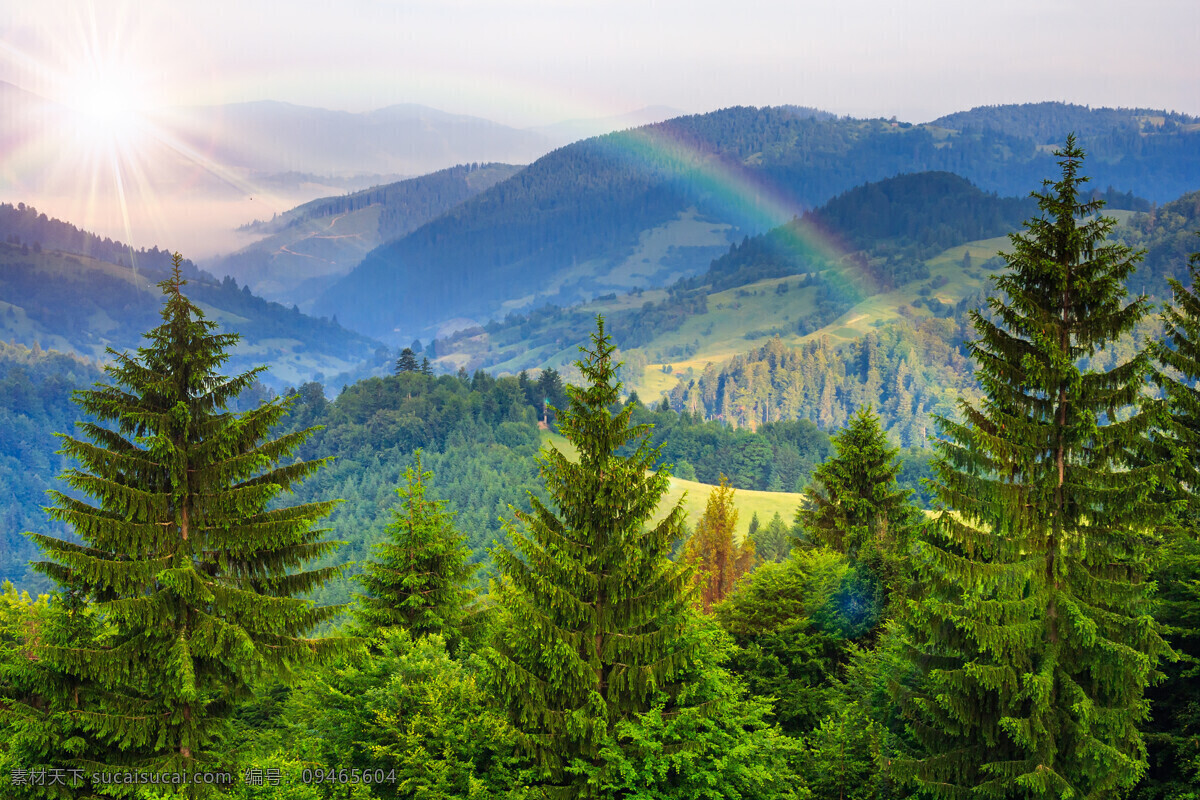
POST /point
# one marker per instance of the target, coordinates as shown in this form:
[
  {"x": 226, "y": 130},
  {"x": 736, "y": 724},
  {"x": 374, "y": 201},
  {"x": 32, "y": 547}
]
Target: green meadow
[
  {"x": 746, "y": 317},
  {"x": 694, "y": 495}
]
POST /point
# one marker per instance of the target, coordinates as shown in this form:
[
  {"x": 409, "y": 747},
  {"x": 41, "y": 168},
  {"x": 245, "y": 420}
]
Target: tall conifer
[
  {"x": 407, "y": 362},
  {"x": 1036, "y": 635},
  {"x": 596, "y": 607},
  {"x": 196, "y": 579},
  {"x": 419, "y": 581},
  {"x": 1173, "y": 732},
  {"x": 854, "y": 504}
]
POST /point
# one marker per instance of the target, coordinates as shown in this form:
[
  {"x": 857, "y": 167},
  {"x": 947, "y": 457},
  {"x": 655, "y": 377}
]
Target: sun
[{"x": 109, "y": 109}]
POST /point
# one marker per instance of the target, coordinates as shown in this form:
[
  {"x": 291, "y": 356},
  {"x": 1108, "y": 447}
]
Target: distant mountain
[
  {"x": 1049, "y": 123},
  {"x": 643, "y": 208},
  {"x": 269, "y": 137},
  {"x": 308, "y": 248},
  {"x": 66, "y": 289},
  {"x": 187, "y": 177},
  {"x": 23, "y": 225},
  {"x": 572, "y": 130},
  {"x": 897, "y": 223},
  {"x": 870, "y": 240}
]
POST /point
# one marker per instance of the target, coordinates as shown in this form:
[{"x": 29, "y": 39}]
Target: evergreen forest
[{"x": 480, "y": 586}]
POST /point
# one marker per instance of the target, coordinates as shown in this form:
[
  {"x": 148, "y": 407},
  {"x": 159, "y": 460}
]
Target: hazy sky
[{"x": 535, "y": 61}]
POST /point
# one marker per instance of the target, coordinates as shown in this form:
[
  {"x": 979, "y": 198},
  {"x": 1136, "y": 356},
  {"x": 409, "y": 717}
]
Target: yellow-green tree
[{"x": 716, "y": 558}]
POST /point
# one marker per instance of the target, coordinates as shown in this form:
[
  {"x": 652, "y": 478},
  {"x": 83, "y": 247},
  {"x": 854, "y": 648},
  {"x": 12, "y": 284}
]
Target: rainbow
[
  {"x": 103, "y": 176},
  {"x": 762, "y": 205}
]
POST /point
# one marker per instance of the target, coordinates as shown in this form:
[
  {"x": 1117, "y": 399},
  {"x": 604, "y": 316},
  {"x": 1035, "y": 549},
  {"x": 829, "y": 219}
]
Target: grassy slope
[
  {"x": 319, "y": 247},
  {"x": 732, "y": 313},
  {"x": 722, "y": 332},
  {"x": 695, "y": 495}
]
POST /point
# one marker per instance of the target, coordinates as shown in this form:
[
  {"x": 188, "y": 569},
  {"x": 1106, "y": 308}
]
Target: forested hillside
[
  {"x": 479, "y": 435},
  {"x": 579, "y": 222},
  {"x": 892, "y": 226},
  {"x": 1168, "y": 234},
  {"x": 1109, "y": 131},
  {"x": 907, "y": 372},
  {"x": 112, "y": 300},
  {"x": 309, "y": 247},
  {"x": 885, "y": 231},
  {"x": 35, "y": 403},
  {"x": 24, "y": 227}
]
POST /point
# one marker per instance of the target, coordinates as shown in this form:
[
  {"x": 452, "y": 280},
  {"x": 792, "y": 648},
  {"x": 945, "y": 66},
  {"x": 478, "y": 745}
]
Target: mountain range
[
  {"x": 313, "y": 245},
  {"x": 646, "y": 207},
  {"x": 787, "y": 282},
  {"x": 189, "y": 175}
]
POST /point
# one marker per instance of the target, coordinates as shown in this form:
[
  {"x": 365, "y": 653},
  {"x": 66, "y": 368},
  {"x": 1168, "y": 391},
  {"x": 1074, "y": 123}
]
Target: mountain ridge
[
  {"x": 309, "y": 247},
  {"x": 57, "y": 290},
  {"x": 566, "y": 228}
]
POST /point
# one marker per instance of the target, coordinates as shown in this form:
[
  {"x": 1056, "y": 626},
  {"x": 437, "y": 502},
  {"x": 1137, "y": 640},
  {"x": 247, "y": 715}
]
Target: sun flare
[{"x": 110, "y": 110}]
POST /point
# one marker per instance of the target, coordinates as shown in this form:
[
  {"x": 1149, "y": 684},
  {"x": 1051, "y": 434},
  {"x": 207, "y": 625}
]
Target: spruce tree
[
  {"x": 196, "y": 579},
  {"x": 1036, "y": 635},
  {"x": 1173, "y": 731},
  {"x": 38, "y": 728},
  {"x": 419, "y": 581},
  {"x": 718, "y": 561},
  {"x": 773, "y": 541},
  {"x": 854, "y": 504},
  {"x": 407, "y": 362},
  {"x": 595, "y": 606}
]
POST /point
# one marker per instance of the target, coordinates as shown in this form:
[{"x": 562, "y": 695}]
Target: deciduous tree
[{"x": 717, "y": 559}]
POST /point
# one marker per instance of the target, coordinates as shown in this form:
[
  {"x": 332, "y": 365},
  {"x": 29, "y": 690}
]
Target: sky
[
  {"x": 109, "y": 162},
  {"x": 531, "y": 62}
]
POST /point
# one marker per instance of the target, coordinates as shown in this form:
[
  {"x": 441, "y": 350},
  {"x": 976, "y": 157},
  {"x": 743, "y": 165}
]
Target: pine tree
[
  {"x": 38, "y": 701},
  {"x": 419, "y": 581},
  {"x": 854, "y": 504},
  {"x": 1173, "y": 732},
  {"x": 195, "y": 578},
  {"x": 717, "y": 560},
  {"x": 596, "y": 608},
  {"x": 550, "y": 386},
  {"x": 407, "y": 362},
  {"x": 773, "y": 541},
  {"x": 1036, "y": 636}
]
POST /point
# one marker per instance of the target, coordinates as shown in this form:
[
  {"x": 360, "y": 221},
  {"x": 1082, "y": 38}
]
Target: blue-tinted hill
[{"x": 648, "y": 206}]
